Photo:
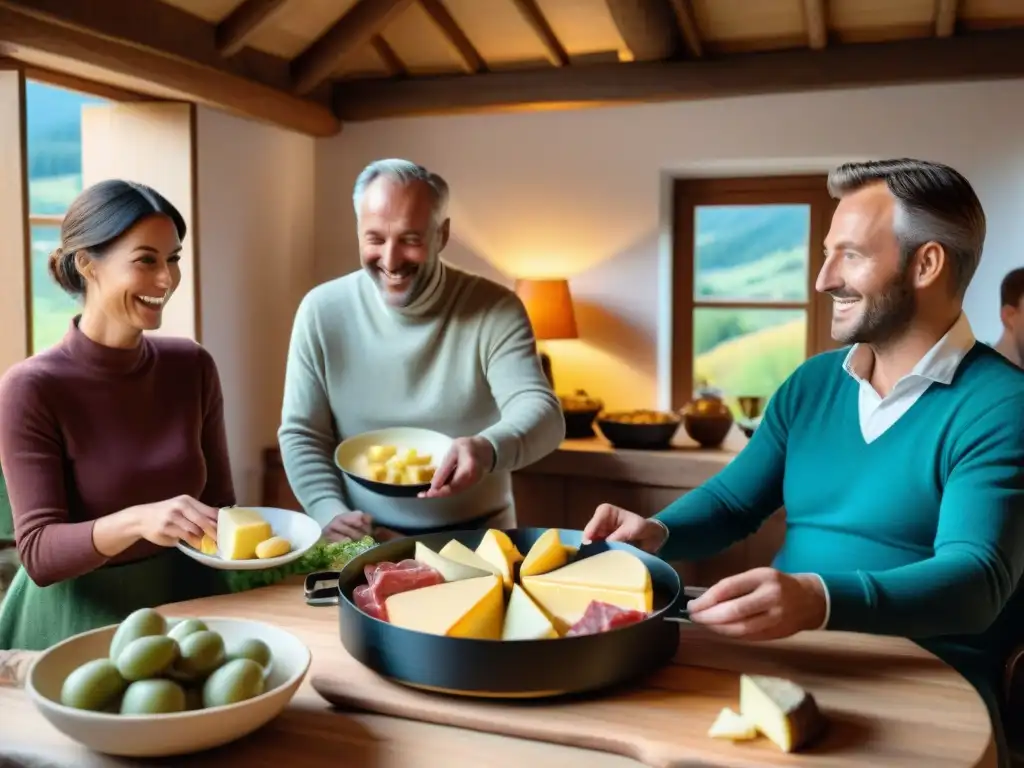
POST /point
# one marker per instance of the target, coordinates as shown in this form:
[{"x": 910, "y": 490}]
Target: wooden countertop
[{"x": 878, "y": 692}]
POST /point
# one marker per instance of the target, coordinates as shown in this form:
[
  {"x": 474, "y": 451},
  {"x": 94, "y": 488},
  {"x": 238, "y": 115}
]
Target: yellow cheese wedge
[
  {"x": 733, "y": 726},
  {"x": 781, "y": 710},
  {"x": 451, "y": 570},
  {"x": 415, "y": 474},
  {"x": 460, "y": 553},
  {"x": 524, "y": 620},
  {"x": 239, "y": 531},
  {"x": 471, "y": 608},
  {"x": 498, "y": 550},
  {"x": 380, "y": 453},
  {"x": 546, "y": 554}
]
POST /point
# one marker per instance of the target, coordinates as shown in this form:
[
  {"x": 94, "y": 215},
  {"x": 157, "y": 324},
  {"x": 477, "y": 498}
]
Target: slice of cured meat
[
  {"x": 601, "y": 617},
  {"x": 386, "y": 579}
]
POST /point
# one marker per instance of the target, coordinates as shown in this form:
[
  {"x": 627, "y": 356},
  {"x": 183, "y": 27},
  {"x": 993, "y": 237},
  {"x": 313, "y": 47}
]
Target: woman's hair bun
[{"x": 64, "y": 272}]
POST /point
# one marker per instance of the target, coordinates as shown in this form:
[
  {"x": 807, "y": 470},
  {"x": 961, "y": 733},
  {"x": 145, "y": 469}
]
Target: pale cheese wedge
[
  {"x": 524, "y": 620},
  {"x": 470, "y": 608},
  {"x": 239, "y": 531},
  {"x": 546, "y": 554},
  {"x": 733, "y": 726},
  {"x": 451, "y": 570},
  {"x": 460, "y": 553},
  {"x": 781, "y": 710},
  {"x": 498, "y": 550}
]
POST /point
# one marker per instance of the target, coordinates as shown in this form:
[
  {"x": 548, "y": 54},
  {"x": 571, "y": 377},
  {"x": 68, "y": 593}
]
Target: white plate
[
  {"x": 350, "y": 456},
  {"x": 300, "y": 529},
  {"x": 170, "y": 734}
]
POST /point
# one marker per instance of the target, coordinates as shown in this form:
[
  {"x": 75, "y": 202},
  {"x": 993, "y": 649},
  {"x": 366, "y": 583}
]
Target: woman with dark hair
[{"x": 112, "y": 442}]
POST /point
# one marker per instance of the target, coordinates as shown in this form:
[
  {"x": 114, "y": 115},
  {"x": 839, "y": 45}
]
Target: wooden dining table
[{"x": 887, "y": 702}]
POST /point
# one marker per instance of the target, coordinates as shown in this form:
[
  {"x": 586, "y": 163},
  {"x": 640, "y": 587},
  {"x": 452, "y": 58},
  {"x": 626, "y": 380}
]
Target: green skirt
[{"x": 33, "y": 618}]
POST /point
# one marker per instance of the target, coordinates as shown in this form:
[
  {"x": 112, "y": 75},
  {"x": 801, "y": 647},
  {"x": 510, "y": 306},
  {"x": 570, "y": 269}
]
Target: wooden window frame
[{"x": 687, "y": 195}]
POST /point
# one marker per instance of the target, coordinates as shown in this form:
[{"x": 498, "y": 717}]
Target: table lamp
[{"x": 549, "y": 306}]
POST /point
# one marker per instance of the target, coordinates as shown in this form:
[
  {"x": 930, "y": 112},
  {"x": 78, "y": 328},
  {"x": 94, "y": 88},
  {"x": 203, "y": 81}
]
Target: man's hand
[
  {"x": 761, "y": 604},
  {"x": 613, "y": 523},
  {"x": 468, "y": 460},
  {"x": 348, "y": 526}
]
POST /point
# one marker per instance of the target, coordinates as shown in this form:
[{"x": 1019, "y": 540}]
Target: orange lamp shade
[{"x": 549, "y": 306}]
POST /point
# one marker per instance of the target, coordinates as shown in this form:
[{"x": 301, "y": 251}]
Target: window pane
[
  {"x": 747, "y": 352},
  {"x": 751, "y": 252},
  {"x": 52, "y": 309}
]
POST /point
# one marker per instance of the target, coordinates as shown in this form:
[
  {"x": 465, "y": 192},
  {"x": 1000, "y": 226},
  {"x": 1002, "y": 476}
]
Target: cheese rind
[
  {"x": 524, "y": 620},
  {"x": 471, "y": 608},
  {"x": 451, "y": 570},
  {"x": 239, "y": 531},
  {"x": 733, "y": 726},
  {"x": 546, "y": 554},
  {"x": 460, "y": 553},
  {"x": 781, "y": 710}
]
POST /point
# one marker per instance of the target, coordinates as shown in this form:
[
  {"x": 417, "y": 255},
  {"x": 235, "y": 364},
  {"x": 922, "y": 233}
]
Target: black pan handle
[
  {"x": 679, "y": 612},
  {"x": 321, "y": 588}
]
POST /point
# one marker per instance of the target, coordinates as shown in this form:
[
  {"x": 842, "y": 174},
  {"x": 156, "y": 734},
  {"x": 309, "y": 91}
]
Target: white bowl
[
  {"x": 301, "y": 530},
  {"x": 171, "y": 734},
  {"x": 350, "y": 456}
]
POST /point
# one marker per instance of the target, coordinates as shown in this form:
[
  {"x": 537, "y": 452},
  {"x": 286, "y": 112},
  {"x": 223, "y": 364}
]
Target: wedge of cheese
[
  {"x": 614, "y": 576},
  {"x": 733, "y": 726},
  {"x": 460, "y": 553},
  {"x": 781, "y": 710},
  {"x": 451, "y": 570},
  {"x": 546, "y": 554},
  {"x": 524, "y": 620},
  {"x": 498, "y": 550},
  {"x": 239, "y": 531},
  {"x": 471, "y": 608}
]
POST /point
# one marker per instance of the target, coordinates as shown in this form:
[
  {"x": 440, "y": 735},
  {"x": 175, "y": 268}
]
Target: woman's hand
[{"x": 163, "y": 523}]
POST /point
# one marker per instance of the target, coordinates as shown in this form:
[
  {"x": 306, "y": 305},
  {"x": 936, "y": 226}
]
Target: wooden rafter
[
  {"x": 945, "y": 17},
  {"x": 391, "y": 60},
  {"x": 534, "y": 16},
  {"x": 471, "y": 59},
  {"x": 242, "y": 23},
  {"x": 364, "y": 20},
  {"x": 648, "y": 28},
  {"x": 816, "y": 18},
  {"x": 982, "y": 56},
  {"x": 129, "y": 39},
  {"x": 73, "y": 83},
  {"x": 688, "y": 29}
]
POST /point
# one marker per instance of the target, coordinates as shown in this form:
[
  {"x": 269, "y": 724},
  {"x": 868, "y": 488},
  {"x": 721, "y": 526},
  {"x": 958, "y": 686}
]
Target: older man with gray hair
[{"x": 409, "y": 340}]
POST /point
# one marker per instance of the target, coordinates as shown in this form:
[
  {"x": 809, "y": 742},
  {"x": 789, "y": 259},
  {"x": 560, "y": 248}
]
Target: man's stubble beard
[{"x": 886, "y": 316}]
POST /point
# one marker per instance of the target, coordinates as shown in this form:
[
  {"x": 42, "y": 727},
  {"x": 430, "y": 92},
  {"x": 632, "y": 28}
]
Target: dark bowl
[
  {"x": 647, "y": 437},
  {"x": 708, "y": 431},
  {"x": 580, "y": 424}
]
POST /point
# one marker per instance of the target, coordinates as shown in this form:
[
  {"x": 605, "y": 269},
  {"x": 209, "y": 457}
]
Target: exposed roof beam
[
  {"x": 982, "y": 56},
  {"x": 688, "y": 28},
  {"x": 364, "y": 20},
  {"x": 392, "y": 62},
  {"x": 648, "y": 28},
  {"x": 534, "y": 16},
  {"x": 124, "y": 38},
  {"x": 945, "y": 17},
  {"x": 472, "y": 61},
  {"x": 816, "y": 17},
  {"x": 243, "y": 22},
  {"x": 71, "y": 82}
]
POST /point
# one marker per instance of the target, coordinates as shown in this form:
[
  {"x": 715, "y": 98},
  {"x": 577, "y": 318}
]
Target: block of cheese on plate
[
  {"x": 451, "y": 570},
  {"x": 470, "y": 608},
  {"x": 524, "y": 620},
  {"x": 546, "y": 554},
  {"x": 460, "y": 553},
  {"x": 614, "y": 576},
  {"x": 733, "y": 726},
  {"x": 781, "y": 710},
  {"x": 240, "y": 531},
  {"x": 498, "y": 550}
]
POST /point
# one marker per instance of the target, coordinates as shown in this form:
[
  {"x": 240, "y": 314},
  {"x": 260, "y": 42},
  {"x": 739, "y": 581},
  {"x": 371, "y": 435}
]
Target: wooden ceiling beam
[
  {"x": 945, "y": 17},
  {"x": 242, "y": 23},
  {"x": 648, "y": 27},
  {"x": 534, "y": 16},
  {"x": 323, "y": 56},
  {"x": 687, "y": 22},
  {"x": 981, "y": 56},
  {"x": 124, "y": 39},
  {"x": 73, "y": 83},
  {"x": 391, "y": 60},
  {"x": 470, "y": 57},
  {"x": 816, "y": 18}
]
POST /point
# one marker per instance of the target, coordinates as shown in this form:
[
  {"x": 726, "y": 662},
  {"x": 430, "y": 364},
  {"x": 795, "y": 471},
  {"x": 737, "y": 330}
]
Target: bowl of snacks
[
  {"x": 707, "y": 419},
  {"x": 154, "y": 686},
  {"x": 641, "y": 429},
  {"x": 399, "y": 461},
  {"x": 580, "y": 410},
  {"x": 255, "y": 538}
]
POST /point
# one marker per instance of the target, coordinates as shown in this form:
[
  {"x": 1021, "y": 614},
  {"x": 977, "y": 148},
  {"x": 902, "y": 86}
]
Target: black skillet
[{"x": 504, "y": 669}]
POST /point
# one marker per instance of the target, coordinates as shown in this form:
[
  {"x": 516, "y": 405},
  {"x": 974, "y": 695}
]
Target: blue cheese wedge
[{"x": 781, "y": 710}]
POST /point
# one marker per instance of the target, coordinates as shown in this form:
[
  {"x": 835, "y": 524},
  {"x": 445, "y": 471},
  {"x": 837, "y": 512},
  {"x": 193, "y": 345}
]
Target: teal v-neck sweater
[{"x": 918, "y": 534}]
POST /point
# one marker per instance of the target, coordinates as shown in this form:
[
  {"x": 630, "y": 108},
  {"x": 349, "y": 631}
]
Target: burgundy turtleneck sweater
[{"x": 87, "y": 430}]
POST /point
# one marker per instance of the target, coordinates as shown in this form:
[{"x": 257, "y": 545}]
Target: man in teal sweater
[{"x": 899, "y": 459}]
